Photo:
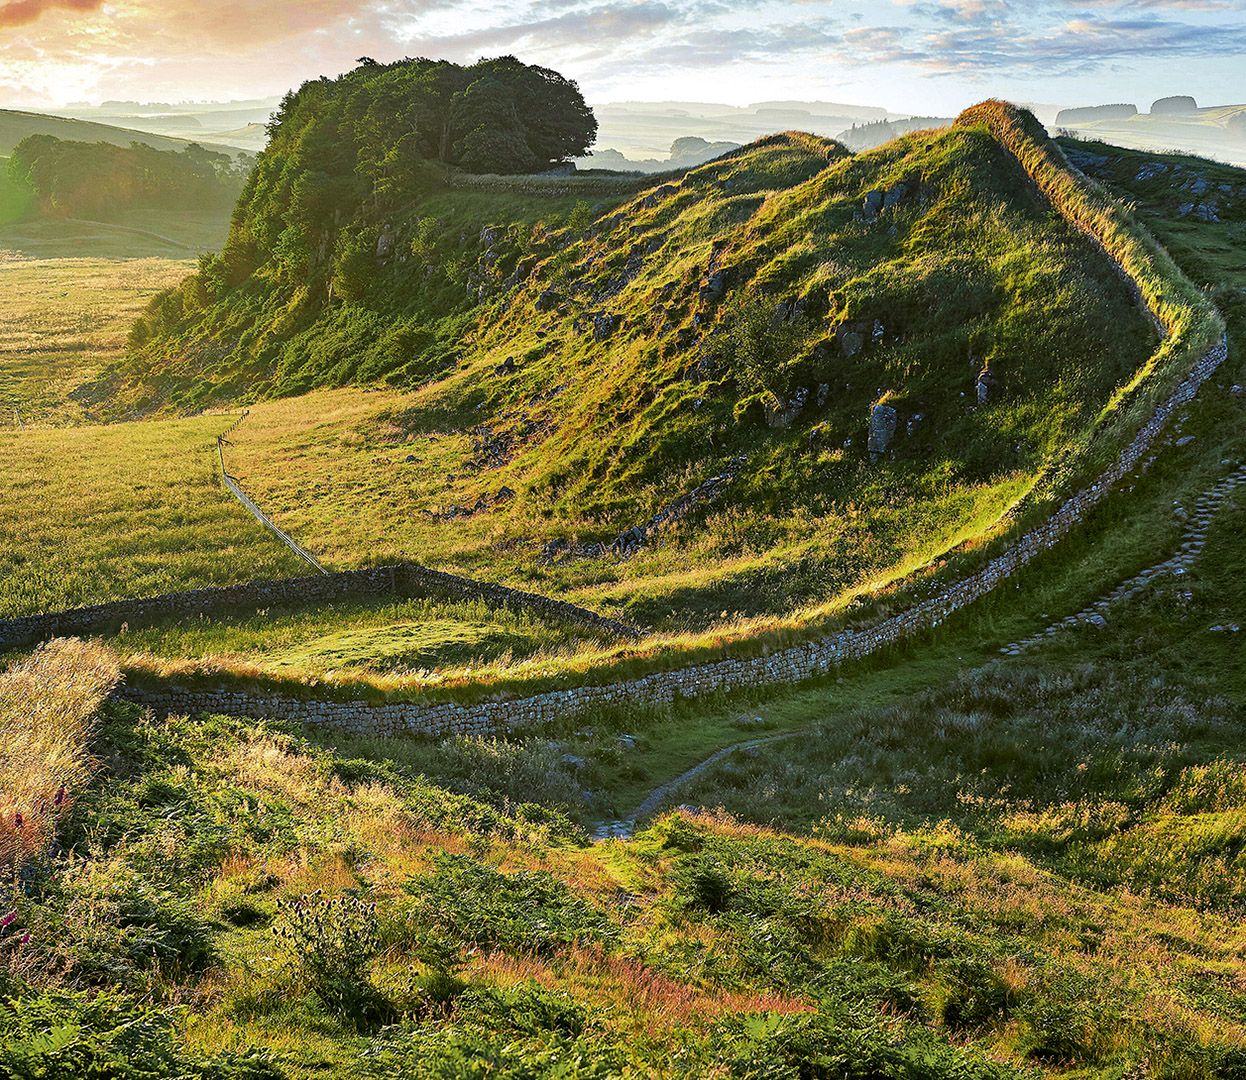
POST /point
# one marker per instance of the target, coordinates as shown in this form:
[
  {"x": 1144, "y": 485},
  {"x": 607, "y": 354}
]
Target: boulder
[
  {"x": 781, "y": 414},
  {"x": 985, "y": 384},
  {"x": 548, "y": 300},
  {"x": 714, "y": 287},
  {"x": 872, "y": 204},
  {"x": 894, "y": 195},
  {"x": 851, "y": 342},
  {"x": 883, "y": 421},
  {"x": 604, "y": 325},
  {"x": 385, "y": 244}
]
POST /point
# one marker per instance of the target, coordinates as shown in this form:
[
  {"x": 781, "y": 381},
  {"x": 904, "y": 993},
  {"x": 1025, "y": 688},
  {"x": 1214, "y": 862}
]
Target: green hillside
[
  {"x": 15, "y": 126},
  {"x": 993, "y": 851},
  {"x": 751, "y": 311}
]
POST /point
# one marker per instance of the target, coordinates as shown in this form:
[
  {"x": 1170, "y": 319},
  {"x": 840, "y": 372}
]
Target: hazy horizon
[{"x": 905, "y": 55}]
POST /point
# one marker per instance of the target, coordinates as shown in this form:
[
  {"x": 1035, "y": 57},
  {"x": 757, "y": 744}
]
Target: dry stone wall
[
  {"x": 402, "y": 580},
  {"x": 790, "y": 665}
]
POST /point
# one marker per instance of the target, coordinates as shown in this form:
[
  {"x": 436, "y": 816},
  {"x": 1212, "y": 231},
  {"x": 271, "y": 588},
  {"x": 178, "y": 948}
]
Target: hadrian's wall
[{"x": 723, "y": 676}]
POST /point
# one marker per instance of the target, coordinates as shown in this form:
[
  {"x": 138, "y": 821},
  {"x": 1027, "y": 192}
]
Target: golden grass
[
  {"x": 48, "y": 706},
  {"x": 62, "y": 321}
]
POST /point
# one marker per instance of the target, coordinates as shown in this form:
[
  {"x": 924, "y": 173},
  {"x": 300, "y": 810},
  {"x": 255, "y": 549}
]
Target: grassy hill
[
  {"x": 961, "y": 864},
  {"x": 15, "y": 126},
  {"x": 607, "y": 383}
]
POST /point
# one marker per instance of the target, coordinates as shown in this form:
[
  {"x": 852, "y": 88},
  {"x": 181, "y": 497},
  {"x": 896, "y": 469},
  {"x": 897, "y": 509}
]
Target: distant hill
[
  {"x": 644, "y": 129},
  {"x": 15, "y": 126},
  {"x": 1173, "y": 124},
  {"x": 686, "y": 153}
]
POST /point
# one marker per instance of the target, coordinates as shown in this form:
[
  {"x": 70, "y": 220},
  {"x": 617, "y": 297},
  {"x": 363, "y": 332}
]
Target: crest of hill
[
  {"x": 16, "y": 126},
  {"x": 612, "y": 354}
]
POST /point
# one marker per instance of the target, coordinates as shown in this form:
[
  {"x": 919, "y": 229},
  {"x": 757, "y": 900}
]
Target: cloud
[{"x": 20, "y": 12}]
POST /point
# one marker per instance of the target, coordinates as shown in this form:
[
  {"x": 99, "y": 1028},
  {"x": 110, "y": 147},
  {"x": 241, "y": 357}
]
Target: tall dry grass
[{"x": 48, "y": 708}]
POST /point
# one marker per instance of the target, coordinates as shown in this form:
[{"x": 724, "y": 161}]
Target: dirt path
[{"x": 624, "y": 827}]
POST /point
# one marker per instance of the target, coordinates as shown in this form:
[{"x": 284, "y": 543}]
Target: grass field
[
  {"x": 95, "y": 513},
  {"x": 62, "y": 320}
]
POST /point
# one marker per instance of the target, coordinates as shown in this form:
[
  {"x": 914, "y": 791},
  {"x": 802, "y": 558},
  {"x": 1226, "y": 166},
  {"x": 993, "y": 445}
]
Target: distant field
[
  {"x": 16, "y": 125},
  {"x": 62, "y": 320},
  {"x": 95, "y": 513}
]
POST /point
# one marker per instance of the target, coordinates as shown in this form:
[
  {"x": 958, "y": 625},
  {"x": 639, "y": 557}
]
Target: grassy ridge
[
  {"x": 1190, "y": 322},
  {"x": 596, "y": 435}
]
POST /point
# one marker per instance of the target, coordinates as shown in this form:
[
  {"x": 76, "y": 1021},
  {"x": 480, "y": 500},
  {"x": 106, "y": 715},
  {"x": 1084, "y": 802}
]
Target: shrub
[
  {"x": 333, "y": 941},
  {"x": 477, "y": 905},
  {"x": 705, "y": 884},
  {"x": 106, "y": 1037}
]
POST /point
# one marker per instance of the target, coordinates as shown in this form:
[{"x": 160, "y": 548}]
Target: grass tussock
[{"x": 49, "y": 703}]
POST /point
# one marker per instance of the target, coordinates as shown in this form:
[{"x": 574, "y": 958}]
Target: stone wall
[
  {"x": 804, "y": 661},
  {"x": 402, "y": 580},
  {"x": 790, "y": 665}
]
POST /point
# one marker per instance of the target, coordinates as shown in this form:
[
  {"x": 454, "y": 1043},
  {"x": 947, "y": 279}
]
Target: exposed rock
[
  {"x": 715, "y": 286},
  {"x": 824, "y": 392},
  {"x": 851, "y": 343},
  {"x": 506, "y": 367},
  {"x": 1150, "y": 170},
  {"x": 911, "y": 424},
  {"x": 872, "y": 205},
  {"x": 385, "y": 244},
  {"x": 985, "y": 384},
  {"x": 548, "y": 300},
  {"x": 604, "y": 325},
  {"x": 894, "y": 195},
  {"x": 573, "y": 761},
  {"x": 781, "y": 414},
  {"x": 883, "y": 421}
]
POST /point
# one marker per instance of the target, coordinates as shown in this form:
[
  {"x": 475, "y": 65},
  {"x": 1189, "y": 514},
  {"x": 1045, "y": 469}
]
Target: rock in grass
[{"x": 883, "y": 421}]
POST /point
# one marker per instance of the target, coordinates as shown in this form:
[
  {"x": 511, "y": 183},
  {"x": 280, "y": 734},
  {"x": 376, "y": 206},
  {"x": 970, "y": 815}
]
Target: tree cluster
[
  {"x": 345, "y": 152},
  {"x": 99, "y": 180}
]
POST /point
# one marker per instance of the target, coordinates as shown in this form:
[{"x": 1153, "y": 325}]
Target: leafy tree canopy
[{"x": 345, "y": 152}]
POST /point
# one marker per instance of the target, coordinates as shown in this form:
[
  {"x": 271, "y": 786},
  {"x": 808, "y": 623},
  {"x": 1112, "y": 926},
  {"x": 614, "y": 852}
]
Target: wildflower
[
  {"x": 7, "y": 920},
  {"x": 25, "y": 938}
]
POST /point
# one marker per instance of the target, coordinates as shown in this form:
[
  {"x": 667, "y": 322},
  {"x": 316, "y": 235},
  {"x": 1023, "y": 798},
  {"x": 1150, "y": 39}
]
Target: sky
[{"x": 917, "y": 56}]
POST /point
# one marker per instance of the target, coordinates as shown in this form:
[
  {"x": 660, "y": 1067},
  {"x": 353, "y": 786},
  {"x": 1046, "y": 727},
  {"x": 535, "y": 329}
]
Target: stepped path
[{"x": 1193, "y": 540}]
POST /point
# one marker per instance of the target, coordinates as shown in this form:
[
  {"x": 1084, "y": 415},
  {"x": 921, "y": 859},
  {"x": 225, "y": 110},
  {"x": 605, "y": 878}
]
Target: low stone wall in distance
[{"x": 403, "y": 580}]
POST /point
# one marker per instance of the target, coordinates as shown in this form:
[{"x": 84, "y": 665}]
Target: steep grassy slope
[
  {"x": 323, "y": 916},
  {"x": 628, "y": 391}
]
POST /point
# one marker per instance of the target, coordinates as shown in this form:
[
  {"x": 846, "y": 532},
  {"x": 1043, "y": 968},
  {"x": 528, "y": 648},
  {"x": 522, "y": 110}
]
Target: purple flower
[
  {"x": 25, "y": 939},
  {"x": 8, "y": 920}
]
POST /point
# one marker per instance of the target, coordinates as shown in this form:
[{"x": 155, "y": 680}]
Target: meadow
[
  {"x": 63, "y": 320},
  {"x": 96, "y": 513}
]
